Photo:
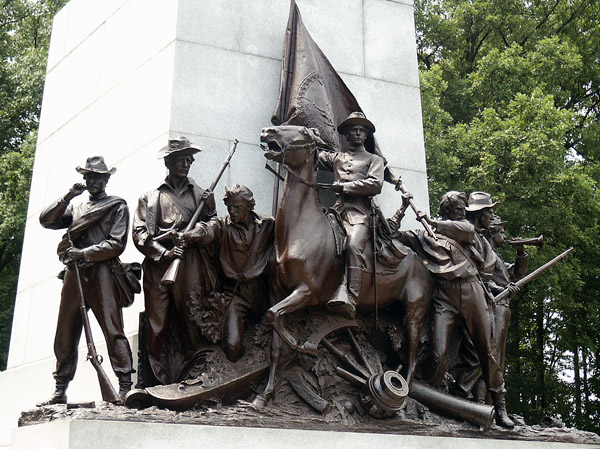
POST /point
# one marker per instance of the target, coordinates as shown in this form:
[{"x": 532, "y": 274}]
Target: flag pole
[{"x": 284, "y": 79}]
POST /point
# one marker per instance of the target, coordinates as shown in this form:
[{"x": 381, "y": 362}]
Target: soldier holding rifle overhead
[
  {"x": 98, "y": 234},
  {"x": 172, "y": 339},
  {"x": 460, "y": 261}
]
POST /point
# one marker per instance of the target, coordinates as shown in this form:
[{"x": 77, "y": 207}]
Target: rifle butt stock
[
  {"x": 106, "y": 388},
  {"x": 171, "y": 273}
]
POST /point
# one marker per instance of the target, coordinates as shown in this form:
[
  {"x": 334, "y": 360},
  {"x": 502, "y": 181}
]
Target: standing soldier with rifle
[
  {"x": 96, "y": 236},
  {"x": 172, "y": 339}
]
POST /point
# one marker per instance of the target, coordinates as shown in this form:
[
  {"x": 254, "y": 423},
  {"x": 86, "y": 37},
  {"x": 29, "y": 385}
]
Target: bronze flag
[{"x": 312, "y": 93}]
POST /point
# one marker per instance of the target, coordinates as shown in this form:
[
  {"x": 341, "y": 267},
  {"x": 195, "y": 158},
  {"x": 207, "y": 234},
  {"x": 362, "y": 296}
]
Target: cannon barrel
[{"x": 451, "y": 406}]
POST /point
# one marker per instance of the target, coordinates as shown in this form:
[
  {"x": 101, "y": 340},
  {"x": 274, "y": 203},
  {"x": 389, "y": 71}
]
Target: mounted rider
[{"x": 359, "y": 176}]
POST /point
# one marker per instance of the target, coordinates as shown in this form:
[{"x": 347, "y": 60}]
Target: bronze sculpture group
[{"x": 349, "y": 262}]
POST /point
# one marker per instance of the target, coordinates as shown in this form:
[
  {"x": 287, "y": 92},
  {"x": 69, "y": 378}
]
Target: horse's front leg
[
  {"x": 417, "y": 301},
  {"x": 299, "y": 299},
  {"x": 262, "y": 399}
]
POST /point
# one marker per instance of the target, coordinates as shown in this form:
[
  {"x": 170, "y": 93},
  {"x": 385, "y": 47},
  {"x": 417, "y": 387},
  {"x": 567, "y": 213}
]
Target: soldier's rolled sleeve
[
  {"x": 58, "y": 215},
  {"x": 141, "y": 235}
]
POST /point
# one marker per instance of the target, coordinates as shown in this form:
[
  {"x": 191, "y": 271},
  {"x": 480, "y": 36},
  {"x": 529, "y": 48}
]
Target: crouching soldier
[{"x": 244, "y": 240}]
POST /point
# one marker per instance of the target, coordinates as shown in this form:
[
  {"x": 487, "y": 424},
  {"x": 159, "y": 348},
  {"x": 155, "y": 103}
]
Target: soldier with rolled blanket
[{"x": 98, "y": 232}]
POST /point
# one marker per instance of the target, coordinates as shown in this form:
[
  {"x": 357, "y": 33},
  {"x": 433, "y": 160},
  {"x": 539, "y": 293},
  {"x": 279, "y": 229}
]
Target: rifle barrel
[
  {"x": 171, "y": 273},
  {"x": 414, "y": 207},
  {"x": 531, "y": 276}
]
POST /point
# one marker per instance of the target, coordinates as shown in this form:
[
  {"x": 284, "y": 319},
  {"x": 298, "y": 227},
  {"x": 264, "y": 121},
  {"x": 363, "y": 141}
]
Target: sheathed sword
[{"x": 374, "y": 234}]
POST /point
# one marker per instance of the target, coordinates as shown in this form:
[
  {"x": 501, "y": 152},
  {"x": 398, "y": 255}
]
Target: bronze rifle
[
  {"x": 171, "y": 273},
  {"x": 413, "y": 206},
  {"x": 108, "y": 392},
  {"x": 531, "y": 276}
]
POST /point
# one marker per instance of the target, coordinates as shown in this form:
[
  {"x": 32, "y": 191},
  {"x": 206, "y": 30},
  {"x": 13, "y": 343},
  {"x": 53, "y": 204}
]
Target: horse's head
[{"x": 292, "y": 145}]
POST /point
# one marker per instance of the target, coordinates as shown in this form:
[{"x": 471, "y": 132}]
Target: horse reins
[{"x": 316, "y": 185}]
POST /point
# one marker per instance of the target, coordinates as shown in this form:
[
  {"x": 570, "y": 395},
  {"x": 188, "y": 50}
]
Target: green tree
[
  {"x": 24, "y": 39},
  {"x": 511, "y": 101}
]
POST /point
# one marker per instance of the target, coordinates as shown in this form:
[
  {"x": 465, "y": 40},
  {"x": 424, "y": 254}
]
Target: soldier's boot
[
  {"x": 343, "y": 301},
  {"x": 480, "y": 391},
  {"x": 502, "y": 419},
  {"x": 124, "y": 385},
  {"x": 60, "y": 394}
]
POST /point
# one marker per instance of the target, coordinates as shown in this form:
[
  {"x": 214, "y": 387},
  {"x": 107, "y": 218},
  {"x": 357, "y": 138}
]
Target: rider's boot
[
  {"x": 343, "y": 302},
  {"x": 346, "y": 304},
  {"x": 60, "y": 393}
]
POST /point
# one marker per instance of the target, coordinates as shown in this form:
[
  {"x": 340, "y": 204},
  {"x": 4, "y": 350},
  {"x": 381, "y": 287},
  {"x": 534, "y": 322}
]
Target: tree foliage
[
  {"x": 511, "y": 100},
  {"x": 24, "y": 39}
]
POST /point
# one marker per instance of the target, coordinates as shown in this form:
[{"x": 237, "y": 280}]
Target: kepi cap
[{"x": 496, "y": 222}]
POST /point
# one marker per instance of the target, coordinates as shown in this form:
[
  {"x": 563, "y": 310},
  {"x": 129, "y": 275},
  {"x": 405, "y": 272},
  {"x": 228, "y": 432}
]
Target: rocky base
[{"x": 414, "y": 420}]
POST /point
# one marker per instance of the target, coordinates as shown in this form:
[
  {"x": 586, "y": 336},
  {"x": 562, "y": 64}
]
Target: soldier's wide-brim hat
[
  {"x": 356, "y": 118},
  {"x": 95, "y": 164},
  {"x": 480, "y": 200},
  {"x": 496, "y": 222},
  {"x": 180, "y": 145}
]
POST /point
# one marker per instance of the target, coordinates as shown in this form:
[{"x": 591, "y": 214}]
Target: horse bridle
[{"x": 290, "y": 170}]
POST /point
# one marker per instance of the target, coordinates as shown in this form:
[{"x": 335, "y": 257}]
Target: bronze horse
[{"x": 306, "y": 271}]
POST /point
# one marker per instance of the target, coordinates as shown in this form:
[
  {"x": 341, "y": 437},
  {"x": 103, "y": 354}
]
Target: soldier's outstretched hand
[
  {"x": 337, "y": 187},
  {"x": 513, "y": 288},
  {"x": 406, "y": 197},
  {"x": 74, "y": 254}
]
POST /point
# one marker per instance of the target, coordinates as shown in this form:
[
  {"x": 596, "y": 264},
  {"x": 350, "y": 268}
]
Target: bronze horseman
[
  {"x": 358, "y": 177},
  {"x": 172, "y": 339},
  {"x": 244, "y": 241},
  {"x": 98, "y": 231}
]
